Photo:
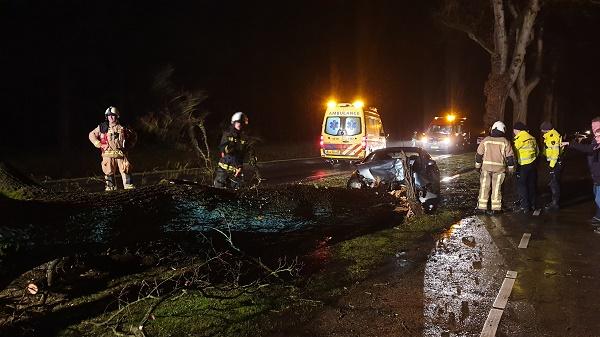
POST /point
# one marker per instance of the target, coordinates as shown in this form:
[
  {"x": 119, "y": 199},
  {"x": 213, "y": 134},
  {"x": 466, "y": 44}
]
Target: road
[
  {"x": 551, "y": 259},
  {"x": 273, "y": 172}
]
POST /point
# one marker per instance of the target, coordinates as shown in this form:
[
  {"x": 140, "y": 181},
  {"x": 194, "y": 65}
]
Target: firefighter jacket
[
  {"x": 526, "y": 148},
  {"x": 494, "y": 154},
  {"x": 233, "y": 149},
  {"x": 112, "y": 139},
  {"x": 552, "y": 147}
]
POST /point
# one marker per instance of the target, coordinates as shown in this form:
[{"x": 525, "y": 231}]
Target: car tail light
[
  {"x": 364, "y": 143},
  {"x": 321, "y": 142}
]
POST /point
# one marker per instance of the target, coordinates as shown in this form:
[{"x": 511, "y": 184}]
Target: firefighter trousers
[
  {"x": 109, "y": 167},
  {"x": 490, "y": 182}
]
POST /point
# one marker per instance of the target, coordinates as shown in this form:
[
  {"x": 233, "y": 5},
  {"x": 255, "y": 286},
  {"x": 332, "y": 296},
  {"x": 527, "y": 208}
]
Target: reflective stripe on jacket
[
  {"x": 526, "y": 146},
  {"x": 495, "y": 153},
  {"x": 552, "y": 146},
  {"x": 233, "y": 147}
]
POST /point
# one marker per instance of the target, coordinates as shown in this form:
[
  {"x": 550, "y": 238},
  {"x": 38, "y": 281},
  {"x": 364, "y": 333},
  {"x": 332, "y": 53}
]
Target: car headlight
[
  {"x": 447, "y": 140},
  {"x": 424, "y": 139}
]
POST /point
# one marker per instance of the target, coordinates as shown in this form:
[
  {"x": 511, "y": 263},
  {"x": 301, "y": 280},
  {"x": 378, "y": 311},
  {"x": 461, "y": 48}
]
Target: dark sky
[{"x": 65, "y": 61}]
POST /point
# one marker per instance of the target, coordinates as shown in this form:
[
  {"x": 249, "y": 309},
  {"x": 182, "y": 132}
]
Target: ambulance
[{"x": 350, "y": 132}]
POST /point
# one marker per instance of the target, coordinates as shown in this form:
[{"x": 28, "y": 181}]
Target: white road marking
[
  {"x": 504, "y": 294},
  {"x": 441, "y": 156},
  {"x": 491, "y": 323},
  {"x": 447, "y": 179},
  {"x": 525, "y": 240},
  {"x": 537, "y": 212}
]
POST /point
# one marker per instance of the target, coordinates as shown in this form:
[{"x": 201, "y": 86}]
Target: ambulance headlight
[
  {"x": 358, "y": 104},
  {"x": 424, "y": 140},
  {"x": 447, "y": 141}
]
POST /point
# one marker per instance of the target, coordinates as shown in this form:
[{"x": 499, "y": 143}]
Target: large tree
[{"x": 505, "y": 38}]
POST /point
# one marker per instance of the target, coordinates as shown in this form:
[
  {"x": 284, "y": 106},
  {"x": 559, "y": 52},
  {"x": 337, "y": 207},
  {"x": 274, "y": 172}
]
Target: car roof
[{"x": 401, "y": 148}]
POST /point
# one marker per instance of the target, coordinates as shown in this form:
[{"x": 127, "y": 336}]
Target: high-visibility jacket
[
  {"x": 494, "y": 154},
  {"x": 526, "y": 146},
  {"x": 552, "y": 147}
]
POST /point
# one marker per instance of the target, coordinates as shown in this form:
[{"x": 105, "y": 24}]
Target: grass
[{"x": 256, "y": 313}]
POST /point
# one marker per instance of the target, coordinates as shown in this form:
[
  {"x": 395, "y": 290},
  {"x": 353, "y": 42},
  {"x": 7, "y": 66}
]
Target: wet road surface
[{"x": 557, "y": 284}]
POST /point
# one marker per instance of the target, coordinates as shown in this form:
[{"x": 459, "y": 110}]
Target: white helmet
[
  {"x": 111, "y": 111},
  {"x": 239, "y": 117},
  {"x": 499, "y": 126}
]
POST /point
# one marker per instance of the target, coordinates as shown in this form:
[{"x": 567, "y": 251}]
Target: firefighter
[
  {"x": 552, "y": 151},
  {"x": 526, "y": 153},
  {"x": 113, "y": 140},
  {"x": 494, "y": 153},
  {"x": 233, "y": 149}
]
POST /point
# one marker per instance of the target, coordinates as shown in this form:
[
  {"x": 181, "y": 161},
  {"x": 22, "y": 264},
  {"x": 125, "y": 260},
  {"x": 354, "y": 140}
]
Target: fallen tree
[{"x": 39, "y": 226}]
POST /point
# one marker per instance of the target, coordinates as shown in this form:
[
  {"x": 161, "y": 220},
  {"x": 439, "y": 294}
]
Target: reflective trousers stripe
[
  {"x": 490, "y": 182},
  {"x": 227, "y": 167}
]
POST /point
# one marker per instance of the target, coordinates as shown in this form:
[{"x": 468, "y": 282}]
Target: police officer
[
  {"x": 233, "y": 149},
  {"x": 552, "y": 151},
  {"x": 494, "y": 153},
  {"x": 113, "y": 140},
  {"x": 526, "y": 153}
]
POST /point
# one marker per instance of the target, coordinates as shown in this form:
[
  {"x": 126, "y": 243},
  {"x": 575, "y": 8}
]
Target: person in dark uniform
[{"x": 233, "y": 149}]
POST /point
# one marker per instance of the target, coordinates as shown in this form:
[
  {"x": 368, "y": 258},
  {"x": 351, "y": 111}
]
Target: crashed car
[{"x": 385, "y": 168}]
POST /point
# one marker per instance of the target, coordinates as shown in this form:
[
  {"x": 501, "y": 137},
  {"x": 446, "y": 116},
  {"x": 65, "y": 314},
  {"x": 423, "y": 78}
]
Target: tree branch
[
  {"x": 521, "y": 45},
  {"x": 470, "y": 34},
  {"x": 500, "y": 41}
]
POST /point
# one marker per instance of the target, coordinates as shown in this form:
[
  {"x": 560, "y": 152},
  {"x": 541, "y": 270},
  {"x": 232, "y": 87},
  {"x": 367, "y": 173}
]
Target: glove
[
  {"x": 518, "y": 175},
  {"x": 97, "y": 144}
]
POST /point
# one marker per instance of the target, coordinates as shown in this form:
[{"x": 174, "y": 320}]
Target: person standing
[
  {"x": 233, "y": 149},
  {"x": 113, "y": 140},
  {"x": 593, "y": 158},
  {"x": 526, "y": 153},
  {"x": 494, "y": 154},
  {"x": 552, "y": 151}
]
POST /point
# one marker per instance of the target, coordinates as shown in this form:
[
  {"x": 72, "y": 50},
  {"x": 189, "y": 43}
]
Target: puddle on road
[{"x": 462, "y": 276}]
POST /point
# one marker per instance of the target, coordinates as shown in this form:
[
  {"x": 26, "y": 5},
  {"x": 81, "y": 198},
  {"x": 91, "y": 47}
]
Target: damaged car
[{"x": 385, "y": 169}]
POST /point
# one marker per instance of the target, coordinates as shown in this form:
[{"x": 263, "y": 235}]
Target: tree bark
[{"x": 504, "y": 75}]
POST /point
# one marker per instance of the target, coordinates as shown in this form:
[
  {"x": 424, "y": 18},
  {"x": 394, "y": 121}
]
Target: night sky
[{"x": 64, "y": 62}]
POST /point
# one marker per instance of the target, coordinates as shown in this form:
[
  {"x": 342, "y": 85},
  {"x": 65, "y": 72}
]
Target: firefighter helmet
[
  {"x": 111, "y": 111},
  {"x": 499, "y": 126},
  {"x": 239, "y": 117}
]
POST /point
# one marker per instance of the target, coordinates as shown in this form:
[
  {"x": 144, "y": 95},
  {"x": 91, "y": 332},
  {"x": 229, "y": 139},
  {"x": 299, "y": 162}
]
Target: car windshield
[
  {"x": 343, "y": 126},
  {"x": 385, "y": 155},
  {"x": 443, "y": 129}
]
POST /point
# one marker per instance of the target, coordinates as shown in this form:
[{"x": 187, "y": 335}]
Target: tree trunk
[{"x": 496, "y": 92}]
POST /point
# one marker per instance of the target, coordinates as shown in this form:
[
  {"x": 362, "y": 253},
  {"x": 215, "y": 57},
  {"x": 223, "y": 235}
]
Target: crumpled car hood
[{"x": 382, "y": 170}]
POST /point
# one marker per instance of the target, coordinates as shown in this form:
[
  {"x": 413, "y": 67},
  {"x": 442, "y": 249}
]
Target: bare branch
[
  {"x": 500, "y": 39},
  {"x": 524, "y": 36},
  {"x": 470, "y": 34}
]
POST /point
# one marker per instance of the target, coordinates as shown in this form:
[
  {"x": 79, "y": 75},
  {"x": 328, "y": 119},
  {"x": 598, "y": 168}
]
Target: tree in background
[
  {"x": 506, "y": 40},
  {"x": 178, "y": 119}
]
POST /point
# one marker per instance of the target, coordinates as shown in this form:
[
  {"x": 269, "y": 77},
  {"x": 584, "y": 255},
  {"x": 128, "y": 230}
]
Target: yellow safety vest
[
  {"x": 527, "y": 150},
  {"x": 552, "y": 146}
]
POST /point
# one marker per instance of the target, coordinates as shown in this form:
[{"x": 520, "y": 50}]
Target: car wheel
[{"x": 355, "y": 183}]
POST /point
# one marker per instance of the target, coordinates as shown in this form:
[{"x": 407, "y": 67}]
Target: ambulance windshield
[{"x": 343, "y": 126}]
